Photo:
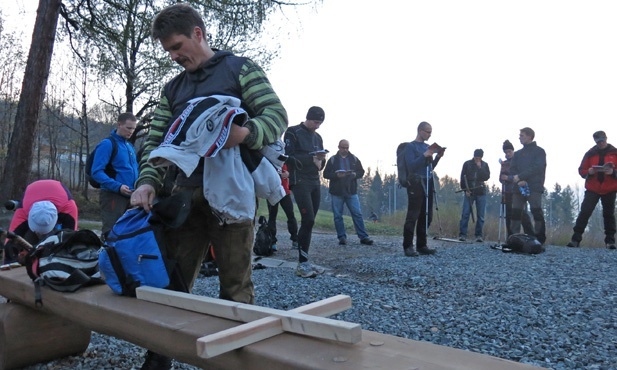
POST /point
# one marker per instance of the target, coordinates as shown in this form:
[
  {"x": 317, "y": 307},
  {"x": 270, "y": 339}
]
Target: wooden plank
[
  {"x": 134, "y": 320},
  {"x": 291, "y": 321},
  {"x": 243, "y": 335}
]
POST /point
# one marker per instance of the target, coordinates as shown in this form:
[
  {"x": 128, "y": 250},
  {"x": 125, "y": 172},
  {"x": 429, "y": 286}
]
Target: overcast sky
[{"x": 478, "y": 71}]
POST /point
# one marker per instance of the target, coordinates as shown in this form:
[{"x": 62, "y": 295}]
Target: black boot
[
  {"x": 410, "y": 251},
  {"x": 426, "y": 250},
  {"x": 155, "y": 361}
]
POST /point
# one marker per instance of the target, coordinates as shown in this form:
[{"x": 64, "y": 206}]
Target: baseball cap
[
  {"x": 42, "y": 217},
  {"x": 599, "y": 136}
]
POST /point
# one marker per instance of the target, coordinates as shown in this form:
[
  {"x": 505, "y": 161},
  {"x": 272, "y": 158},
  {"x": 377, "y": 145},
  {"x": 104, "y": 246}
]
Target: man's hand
[
  {"x": 237, "y": 134},
  {"x": 591, "y": 171},
  {"x": 441, "y": 153},
  {"x": 284, "y": 174},
  {"x": 125, "y": 190},
  {"x": 143, "y": 197},
  {"x": 516, "y": 179}
]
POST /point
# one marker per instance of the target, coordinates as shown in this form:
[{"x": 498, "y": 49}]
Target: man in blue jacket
[
  {"x": 116, "y": 189},
  {"x": 419, "y": 164},
  {"x": 528, "y": 170}
]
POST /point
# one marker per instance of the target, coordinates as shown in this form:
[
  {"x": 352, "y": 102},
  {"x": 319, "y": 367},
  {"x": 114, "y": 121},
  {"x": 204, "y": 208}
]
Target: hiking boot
[
  {"x": 462, "y": 238},
  {"x": 317, "y": 269},
  {"x": 611, "y": 246},
  {"x": 411, "y": 252},
  {"x": 295, "y": 245},
  {"x": 426, "y": 250},
  {"x": 342, "y": 241},
  {"x": 274, "y": 248},
  {"x": 155, "y": 361},
  {"x": 366, "y": 241},
  {"x": 479, "y": 239},
  {"x": 305, "y": 270},
  {"x": 573, "y": 244}
]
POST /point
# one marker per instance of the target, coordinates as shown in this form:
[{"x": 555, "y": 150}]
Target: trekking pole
[
  {"x": 23, "y": 243},
  {"x": 473, "y": 218},
  {"x": 426, "y": 196},
  {"x": 437, "y": 211}
]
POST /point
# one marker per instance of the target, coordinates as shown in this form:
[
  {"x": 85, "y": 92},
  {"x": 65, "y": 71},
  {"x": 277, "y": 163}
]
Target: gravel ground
[{"x": 556, "y": 310}]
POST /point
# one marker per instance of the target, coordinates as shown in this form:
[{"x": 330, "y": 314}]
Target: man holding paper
[
  {"x": 307, "y": 156},
  {"x": 343, "y": 170},
  {"x": 598, "y": 170}
]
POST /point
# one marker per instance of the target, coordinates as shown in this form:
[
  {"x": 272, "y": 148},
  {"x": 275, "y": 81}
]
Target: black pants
[
  {"x": 308, "y": 197},
  {"x": 417, "y": 216},
  {"x": 519, "y": 203},
  {"x": 525, "y": 219},
  {"x": 608, "y": 213},
  {"x": 292, "y": 224}
]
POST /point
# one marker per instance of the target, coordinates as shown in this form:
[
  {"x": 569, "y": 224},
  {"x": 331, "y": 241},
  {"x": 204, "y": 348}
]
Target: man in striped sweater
[{"x": 182, "y": 33}]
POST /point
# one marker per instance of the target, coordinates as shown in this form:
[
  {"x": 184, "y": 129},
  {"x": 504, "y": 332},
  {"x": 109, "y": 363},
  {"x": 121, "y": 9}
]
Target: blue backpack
[{"x": 131, "y": 257}]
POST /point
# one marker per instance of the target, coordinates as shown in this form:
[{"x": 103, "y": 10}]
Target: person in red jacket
[
  {"x": 42, "y": 190},
  {"x": 598, "y": 170}
]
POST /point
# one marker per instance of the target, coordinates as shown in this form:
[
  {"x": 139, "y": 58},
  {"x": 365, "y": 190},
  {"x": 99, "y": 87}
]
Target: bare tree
[
  {"x": 19, "y": 159},
  {"x": 12, "y": 61}
]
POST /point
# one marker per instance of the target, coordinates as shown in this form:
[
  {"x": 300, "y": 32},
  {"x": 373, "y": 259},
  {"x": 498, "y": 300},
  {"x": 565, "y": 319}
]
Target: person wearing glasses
[
  {"x": 343, "y": 170},
  {"x": 528, "y": 170},
  {"x": 307, "y": 157},
  {"x": 598, "y": 170},
  {"x": 419, "y": 163}
]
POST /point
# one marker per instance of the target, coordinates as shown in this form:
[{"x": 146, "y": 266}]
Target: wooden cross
[{"x": 262, "y": 322}]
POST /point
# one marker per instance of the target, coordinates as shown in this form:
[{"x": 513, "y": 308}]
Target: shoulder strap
[{"x": 114, "y": 148}]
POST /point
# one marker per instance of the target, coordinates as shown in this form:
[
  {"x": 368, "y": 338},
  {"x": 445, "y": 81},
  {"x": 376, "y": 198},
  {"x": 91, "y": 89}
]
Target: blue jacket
[{"x": 124, "y": 162}]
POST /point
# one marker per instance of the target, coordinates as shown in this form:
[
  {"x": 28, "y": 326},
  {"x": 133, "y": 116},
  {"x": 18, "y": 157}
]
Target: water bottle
[{"x": 524, "y": 190}]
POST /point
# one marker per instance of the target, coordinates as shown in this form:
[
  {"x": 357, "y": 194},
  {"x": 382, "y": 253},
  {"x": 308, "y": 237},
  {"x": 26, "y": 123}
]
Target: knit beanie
[{"x": 507, "y": 145}]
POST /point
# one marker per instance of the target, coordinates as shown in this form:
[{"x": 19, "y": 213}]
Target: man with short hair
[
  {"x": 419, "y": 164},
  {"x": 343, "y": 170},
  {"x": 528, "y": 170},
  {"x": 307, "y": 158},
  {"x": 473, "y": 175},
  {"x": 207, "y": 72},
  {"x": 116, "y": 188},
  {"x": 598, "y": 170}
]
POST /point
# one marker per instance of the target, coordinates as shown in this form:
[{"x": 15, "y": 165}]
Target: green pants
[{"x": 232, "y": 245}]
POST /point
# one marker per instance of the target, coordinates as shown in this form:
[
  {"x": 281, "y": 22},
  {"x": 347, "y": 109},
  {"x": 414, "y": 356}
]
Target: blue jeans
[
  {"x": 353, "y": 204},
  {"x": 480, "y": 201}
]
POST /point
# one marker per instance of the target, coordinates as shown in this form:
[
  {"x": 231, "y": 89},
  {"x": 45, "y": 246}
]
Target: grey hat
[{"x": 42, "y": 217}]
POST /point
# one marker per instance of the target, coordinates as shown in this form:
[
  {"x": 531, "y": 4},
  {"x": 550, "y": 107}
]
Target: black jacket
[
  {"x": 529, "y": 164},
  {"x": 347, "y": 185},
  {"x": 473, "y": 177},
  {"x": 299, "y": 142}
]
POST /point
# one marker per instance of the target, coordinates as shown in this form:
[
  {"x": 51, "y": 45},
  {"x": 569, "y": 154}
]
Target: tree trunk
[{"x": 19, "y": 159}]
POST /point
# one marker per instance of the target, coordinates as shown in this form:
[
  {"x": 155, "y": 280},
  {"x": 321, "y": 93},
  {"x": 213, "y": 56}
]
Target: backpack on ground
[
  {"x": 263, "y": 239},
  {"x": 523, "y": 243},
  {"x": 109, "y": 169},
  {"x": 131, "y": 256},
  {"x": 401, "y": 165},
  {"x": 65, "y": 261}
]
